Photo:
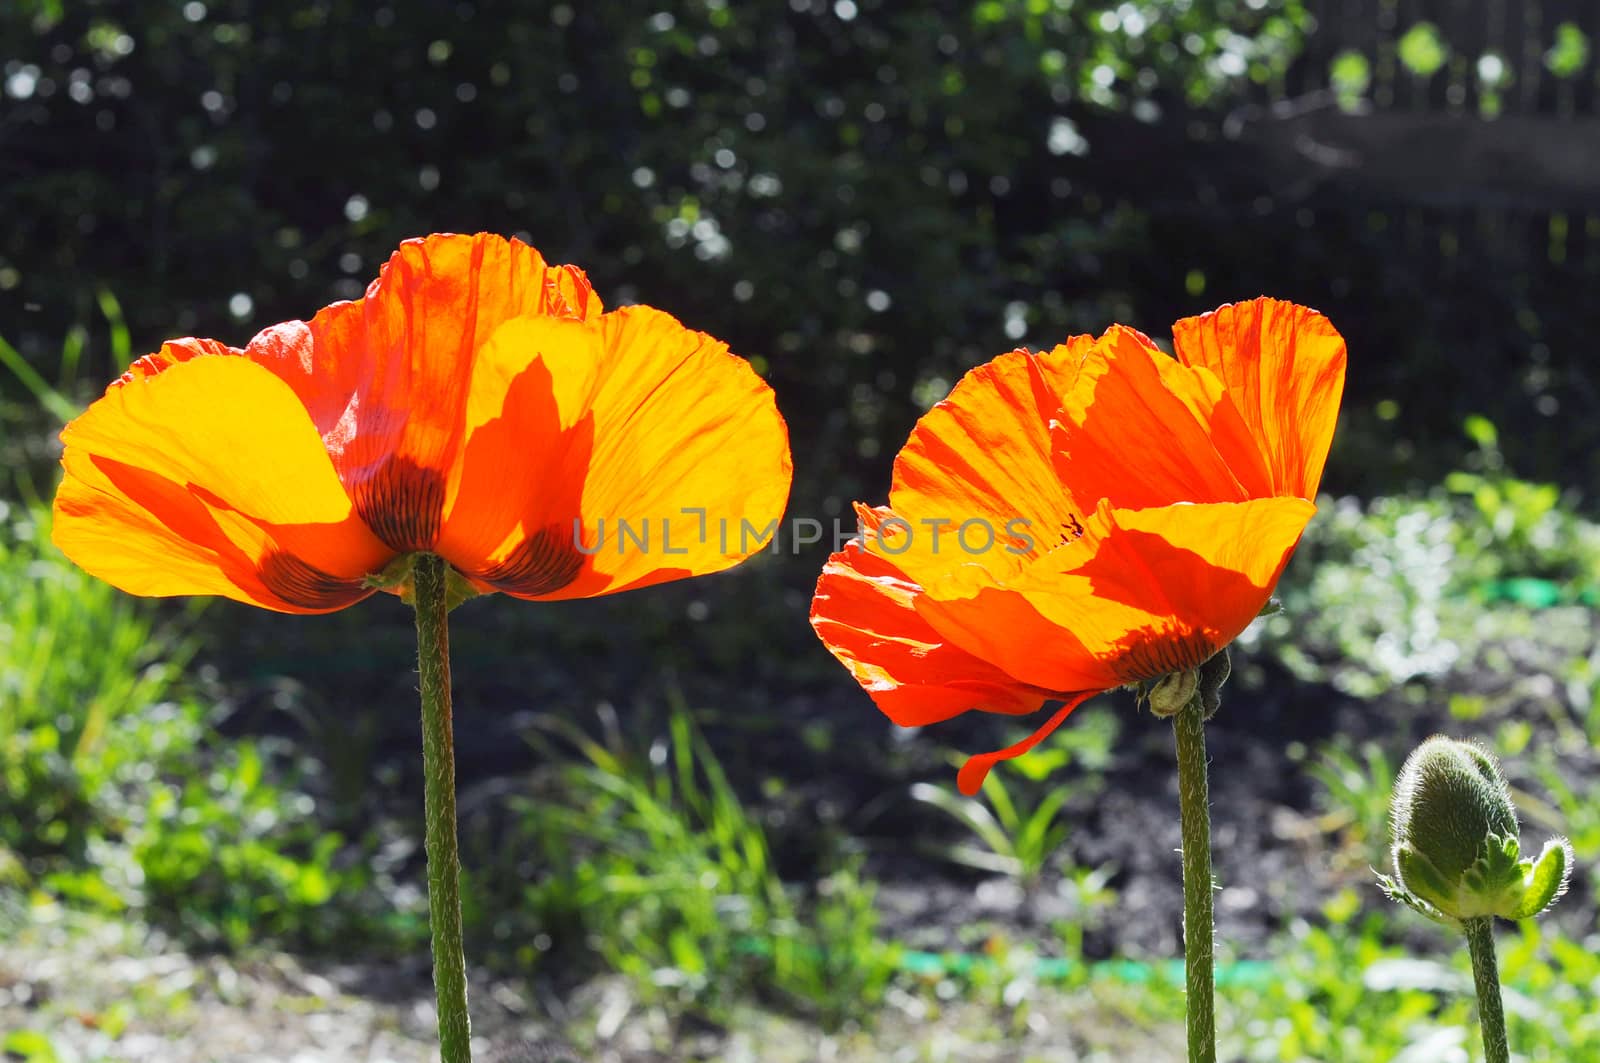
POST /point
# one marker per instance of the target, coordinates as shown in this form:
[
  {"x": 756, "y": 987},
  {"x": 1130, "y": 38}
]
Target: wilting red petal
[{"x": 970, "y": 779}]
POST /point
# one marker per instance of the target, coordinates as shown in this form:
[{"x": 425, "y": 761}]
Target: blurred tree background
[{"x": 865, "y": 197}]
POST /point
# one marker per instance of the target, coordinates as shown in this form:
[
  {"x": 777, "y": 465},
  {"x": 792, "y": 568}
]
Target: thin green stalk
[
  {"x": 1194, "y": 812},
  {"x": 439, "y": 801},
  {"x": 1486, "y": 973}
]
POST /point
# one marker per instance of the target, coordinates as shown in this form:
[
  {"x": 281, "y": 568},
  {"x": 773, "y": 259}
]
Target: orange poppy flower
[
  {"x": 1098, "y": 516},
  {"x": 475, "y": 403}
]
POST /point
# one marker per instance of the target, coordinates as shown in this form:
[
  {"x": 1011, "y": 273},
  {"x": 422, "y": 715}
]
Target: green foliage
[
  {"x": 1341, "y": 991},
  {"x": 1423, "y": 50},
  {"x": 1022, "y": 829},
  {"x": 1521, "y": 529},
  {"x": 232, "y": 857},
  {"x": 1351, "y": 76},
  {"x": 115, "y": 792},
  {"x": 1404, "y": 587},
  {"x": 51, "y": 398},
  {"x": 1352, "y": 797},
  {"x": 672, "y": 881},
  {"x": 1569, "y": 52},
  {"x": 1574, "y": 809},
  {"x": 29, "y": 1046},
  {"x": 1107, "y": 53},
  {"x": 86, "y": 696}
]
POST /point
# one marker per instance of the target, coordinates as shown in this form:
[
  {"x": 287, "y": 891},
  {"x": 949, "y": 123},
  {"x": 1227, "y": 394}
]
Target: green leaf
[
  {"x": 1351, "y": 74},
  {"x": 121, "y": 339},
  {"x": 1422, "y": 50},
  {"x": 977, "y": 818},
  {"x": 1570, "y": 52},
  {"x": 1479, "y": 428},
  {"x": 1545, "y": 881},
  {"x": 60, "y": 407},
  {"x": 31, "y": 1045}
]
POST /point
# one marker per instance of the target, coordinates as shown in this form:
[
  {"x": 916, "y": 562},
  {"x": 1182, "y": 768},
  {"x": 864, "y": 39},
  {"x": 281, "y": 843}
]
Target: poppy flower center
[
  {"x": 1151, "y": 655},
  {"x": 301, "y": 583},
  {"x": 403, "y": 504},
  {"x": 1071, "y": 530}
]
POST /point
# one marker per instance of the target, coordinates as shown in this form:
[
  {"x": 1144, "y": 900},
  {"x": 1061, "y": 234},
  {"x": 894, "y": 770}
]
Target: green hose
[
  {"x": 1531, "y": 593},
  {"x": 935, "y": 965},
  {"x": 1061, "y": 969}
]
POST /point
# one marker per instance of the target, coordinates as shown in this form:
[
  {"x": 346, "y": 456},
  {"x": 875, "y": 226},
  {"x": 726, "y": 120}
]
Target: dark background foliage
[{"x": 866, "y": 198}]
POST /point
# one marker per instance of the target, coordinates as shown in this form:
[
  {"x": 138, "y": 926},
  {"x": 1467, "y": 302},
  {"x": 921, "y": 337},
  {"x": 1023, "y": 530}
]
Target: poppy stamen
[
  {"x": 543, "y": 563},
  {"x": 1150, "y": 655},
  {"x": 403, "y": 504},
  {"x": 300, "y": 583}
]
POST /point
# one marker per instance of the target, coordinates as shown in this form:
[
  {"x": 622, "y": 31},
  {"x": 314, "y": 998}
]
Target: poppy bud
[
  {"x": 1456, "y": 849},
  {"x": 1169, "y": 694}
]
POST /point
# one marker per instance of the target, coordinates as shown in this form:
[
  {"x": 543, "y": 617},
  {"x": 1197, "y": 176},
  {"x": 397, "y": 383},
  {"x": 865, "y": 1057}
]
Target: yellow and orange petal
[
  {"x": 206, "y": 476},
  {"x": 672, "y": 435},
  {"x": 387, "y": 377},
  {"x": 475, "y": 403},
  {"x": 1161, "y": 590},
  {"x": 650, "y": 453},
  {"x": 1139, "y": 429},
  {"x": 985, "y": 451}
]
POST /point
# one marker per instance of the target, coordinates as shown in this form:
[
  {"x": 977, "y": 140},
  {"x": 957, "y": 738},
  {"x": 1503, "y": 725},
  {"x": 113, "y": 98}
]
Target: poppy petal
[
  {"x": 970, "y": 779},
  {"x": 1284, "y": 365},
  {"x": 1215, "y": 565},
  {"x": 1021, "y": 633},
  {"x": 864, "y": 612},
  {"x": 511, "y": 498},
  {"x": 688, "y": 471},
  {"x": 171, "y": 353},
  {"x": 1140, "y": 429},
  {"x": 387, "y": 377},
  {"x": 213, "y": 464},
  {"x": 1162, "y": 589},
  {"x": 985, "y": 452}
]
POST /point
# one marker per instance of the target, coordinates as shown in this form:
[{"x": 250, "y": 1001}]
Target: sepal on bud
[
  {"x": 1456, "y": 851},
  {"x": 1213, "y": 673}
]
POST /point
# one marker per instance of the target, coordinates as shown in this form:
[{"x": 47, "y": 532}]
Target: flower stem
[
  {"x": 1194, "y": 811},
  {"x": 1486, "y": 973},
  {"x": 439, "y": 802}
]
